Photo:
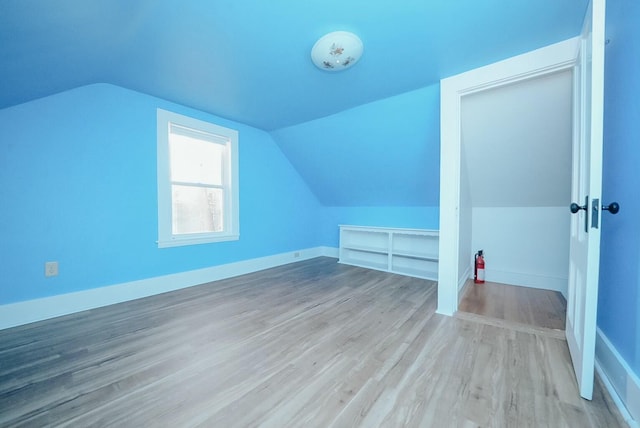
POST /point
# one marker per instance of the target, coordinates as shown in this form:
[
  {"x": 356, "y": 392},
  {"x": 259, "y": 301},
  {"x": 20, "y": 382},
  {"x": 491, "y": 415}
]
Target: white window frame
[{"x": 231, "y": 228}]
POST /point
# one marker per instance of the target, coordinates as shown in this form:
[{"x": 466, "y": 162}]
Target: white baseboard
[
  {"x": 623, "y": 384},
  {"x": 462, "y": 281},
  {"x": 29, "y": 311},
  {"x": 528, "y": 280},
  {"x": 333, "y": 252}
]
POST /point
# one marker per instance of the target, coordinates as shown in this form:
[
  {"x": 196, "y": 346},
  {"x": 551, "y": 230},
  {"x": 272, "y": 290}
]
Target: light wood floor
[
  {"x": 311, "y": 344},
  {"x": 524, "y": 306}
]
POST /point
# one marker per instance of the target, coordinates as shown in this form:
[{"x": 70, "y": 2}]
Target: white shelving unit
[{"x": 412, "y": 252}]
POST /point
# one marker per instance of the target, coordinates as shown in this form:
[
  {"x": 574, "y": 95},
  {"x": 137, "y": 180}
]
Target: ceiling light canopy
[{"x": 336, "y": 51}]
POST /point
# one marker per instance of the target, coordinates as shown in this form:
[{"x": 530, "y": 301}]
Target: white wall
[
  {"x": 517, "y": 143},
  {"x": 524, "y": 246},
  {"x": 465, "y": 270}
]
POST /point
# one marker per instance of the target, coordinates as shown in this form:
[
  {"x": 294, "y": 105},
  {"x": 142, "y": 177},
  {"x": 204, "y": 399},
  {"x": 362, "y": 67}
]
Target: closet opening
[{"x": 515, "y": 184}]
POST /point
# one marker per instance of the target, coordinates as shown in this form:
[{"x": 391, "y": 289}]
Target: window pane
[
  {"x": 197, "y": 209},
  {"x": 195, "y": 161}
]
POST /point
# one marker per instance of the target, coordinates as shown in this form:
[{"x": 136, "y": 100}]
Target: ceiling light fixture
[{"x": 336, "y": 51}]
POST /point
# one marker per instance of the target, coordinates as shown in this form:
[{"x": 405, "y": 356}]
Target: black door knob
[
  {"x": 613, "y": 207},
  {"x": 575, "y": 207}
]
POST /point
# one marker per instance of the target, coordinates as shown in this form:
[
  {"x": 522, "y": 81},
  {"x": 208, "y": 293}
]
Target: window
[{"x": 197, "y": 181}]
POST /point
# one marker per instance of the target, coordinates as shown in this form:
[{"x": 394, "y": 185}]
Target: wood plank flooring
[
  {"x": 310, "y": 344},
  {"x": 544, "y": 309}
]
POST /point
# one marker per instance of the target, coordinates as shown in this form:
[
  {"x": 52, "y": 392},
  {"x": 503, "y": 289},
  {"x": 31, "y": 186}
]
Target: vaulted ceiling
[
  {"x": 361, "y": 137},
  {"x": 249, "y": 60}
]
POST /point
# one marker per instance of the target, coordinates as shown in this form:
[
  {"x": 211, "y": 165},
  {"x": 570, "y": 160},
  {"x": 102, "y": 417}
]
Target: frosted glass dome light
[{"x": 336, "y": 51}]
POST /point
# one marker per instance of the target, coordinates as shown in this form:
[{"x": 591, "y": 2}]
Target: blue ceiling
[
  {"x": 249, "y": 60},
  {"x": 383, "y": 153},
  {"x": 367, "y": 136}
]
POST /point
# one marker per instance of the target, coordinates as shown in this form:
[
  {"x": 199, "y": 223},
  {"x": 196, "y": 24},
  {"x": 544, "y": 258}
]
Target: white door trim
[{"x": 550, "y": 59}]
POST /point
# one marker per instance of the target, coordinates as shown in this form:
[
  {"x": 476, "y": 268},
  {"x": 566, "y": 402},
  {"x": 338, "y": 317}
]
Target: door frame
[{"x": 454, "y": 264}]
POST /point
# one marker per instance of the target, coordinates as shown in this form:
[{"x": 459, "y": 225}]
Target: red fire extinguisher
[{"x": 478, "y": 271}]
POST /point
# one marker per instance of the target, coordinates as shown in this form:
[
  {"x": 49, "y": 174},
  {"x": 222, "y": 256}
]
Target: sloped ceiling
[
  {"x": 368, "y": 136},
  {"x": 382, "y": 153},
  {"x": 517, "y": 143},
  {"x": 249, "y": 60}
]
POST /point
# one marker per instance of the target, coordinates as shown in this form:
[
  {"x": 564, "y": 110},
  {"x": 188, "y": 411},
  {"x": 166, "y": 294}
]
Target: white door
[{"x": 582, "y": 296}]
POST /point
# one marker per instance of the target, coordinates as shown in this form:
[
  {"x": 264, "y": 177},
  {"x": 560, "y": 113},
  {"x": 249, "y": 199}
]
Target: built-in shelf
[
  {"x": 412, "y": 252},
  {"x": 366, "y": 249},
  {"x": 432, "y": 257}
]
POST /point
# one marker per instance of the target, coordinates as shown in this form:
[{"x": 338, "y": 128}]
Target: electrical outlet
[
  {"x": 51, "y": 269},
  {"x": 296, "y": 254}
]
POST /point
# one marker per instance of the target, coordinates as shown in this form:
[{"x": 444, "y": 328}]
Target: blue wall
[
  {"x": 374, "y": 165},
  {"x": 78, "y": 174},
  {"x": 619, "y": 295}
]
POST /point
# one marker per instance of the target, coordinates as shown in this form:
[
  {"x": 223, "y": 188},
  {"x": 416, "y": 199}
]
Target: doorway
[
  {"x": 516, "y": 160},
  {"x": 456, "y": 205}
]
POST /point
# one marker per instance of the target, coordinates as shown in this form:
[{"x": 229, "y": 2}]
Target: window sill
[{"x": 194, "y": 240}]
